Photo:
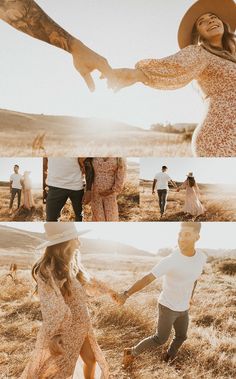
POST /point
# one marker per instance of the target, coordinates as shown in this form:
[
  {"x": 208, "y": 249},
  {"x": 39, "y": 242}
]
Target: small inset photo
[
  {"x": 187, "y": 189},
  {"x": 91, "y": 189},
  {"x": 21, "y": 189}
]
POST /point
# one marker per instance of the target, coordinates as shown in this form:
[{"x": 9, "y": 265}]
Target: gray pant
[
  {"x": 14, "y": 192},
  {"x": 162, "y": 195},
  {"x": 167, "y": 318}
]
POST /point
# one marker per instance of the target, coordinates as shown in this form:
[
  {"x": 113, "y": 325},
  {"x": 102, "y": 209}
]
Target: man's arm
[
  {"x": 173, "y": 183},
  {"x": 194, "y": 287},
  {"x": 11, "y": 181},
  {"x": 28, "y": 17},
  {"x": 136, "y": 287},
  {"x": 154, "y": 185}
]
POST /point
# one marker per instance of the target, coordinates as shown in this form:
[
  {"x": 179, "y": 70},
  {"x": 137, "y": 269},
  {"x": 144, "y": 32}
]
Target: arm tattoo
[{"x": 28, "y": 17}]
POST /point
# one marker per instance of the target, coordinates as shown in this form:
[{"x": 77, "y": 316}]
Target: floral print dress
[
  {"x": 109, "y": 174},
  {"x": 69, "y": 318},
  {"x": 216, "y": 76}
]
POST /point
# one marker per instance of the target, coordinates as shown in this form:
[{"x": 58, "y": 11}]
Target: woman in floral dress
[
  {"x": 192, "y": 205},
  {"x": 66, "y": 332},
  {"x": 108, "y": 181},
  {"x": 27, "y": 191},
  {"x": 208, "y": 55}
]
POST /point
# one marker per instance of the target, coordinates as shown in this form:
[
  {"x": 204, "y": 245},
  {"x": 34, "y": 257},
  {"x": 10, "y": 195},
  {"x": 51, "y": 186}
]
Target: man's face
[
  {"x": 187, "y": 236},
  {"x": 16, "y": 169}
]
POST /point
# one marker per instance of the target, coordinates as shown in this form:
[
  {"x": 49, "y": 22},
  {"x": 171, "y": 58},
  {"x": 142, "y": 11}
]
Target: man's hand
[
  {"x": 120, "y": 298},
  {"x": 86, "y": 60},
  {"x": 87, "y": 197},
  {"x": 153, "y": 192},
  {"x": 56, "y": 345}
]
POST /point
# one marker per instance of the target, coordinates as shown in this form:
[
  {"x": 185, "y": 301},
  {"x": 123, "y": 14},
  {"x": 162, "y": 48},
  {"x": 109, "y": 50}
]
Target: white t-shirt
[
  {"x": 64, "y": 173},
  {"x": 162, "y": 180},
  {"x": 179, "y": 274},
  {"x": 16, "y": 181}
]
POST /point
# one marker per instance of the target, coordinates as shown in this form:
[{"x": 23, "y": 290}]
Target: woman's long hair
[
  {"x": 191, "y": 181},
  {"x": 228, "y": 42},
  {"x": 53, "y": 259}
]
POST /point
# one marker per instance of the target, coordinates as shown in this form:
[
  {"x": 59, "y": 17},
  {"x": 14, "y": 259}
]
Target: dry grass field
[
  {"x": 24, "y": 135},
  {"x": 35, "y": 214},
  {"x": 219, "y": 203},
  {"x": 208, "y": 353},
  {"x": 128, "y": 200}
]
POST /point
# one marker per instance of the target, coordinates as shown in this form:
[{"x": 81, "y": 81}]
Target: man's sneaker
[
  {"x": 168, "y": 359},
  {"x": 128, "y": 357}
]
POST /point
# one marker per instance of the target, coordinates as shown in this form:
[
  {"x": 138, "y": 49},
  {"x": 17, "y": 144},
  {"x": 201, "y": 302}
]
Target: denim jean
[{"x": 166, "y": 320}]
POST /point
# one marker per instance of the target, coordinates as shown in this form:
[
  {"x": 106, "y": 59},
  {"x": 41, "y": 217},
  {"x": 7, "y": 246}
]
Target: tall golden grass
[
  {"x": 209, "y": 351},
  {"x": 22, "y": 214},
  {"x": 219, "y": 206}
]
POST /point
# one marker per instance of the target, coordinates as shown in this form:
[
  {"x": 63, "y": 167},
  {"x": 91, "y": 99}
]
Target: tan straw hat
[
  {"x": 57, "y": 232},
  {"x": 190, "y": 175},
  {"x": 224, "y": 9}
]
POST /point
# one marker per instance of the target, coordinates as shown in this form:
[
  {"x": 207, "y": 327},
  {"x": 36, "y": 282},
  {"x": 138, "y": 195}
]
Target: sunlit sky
[
  {"x": 207, "y": 170},
  {"x": 149, "y": 236},
  {"x": 34, "y": 165},
  {"x": 38, "y": 78}
]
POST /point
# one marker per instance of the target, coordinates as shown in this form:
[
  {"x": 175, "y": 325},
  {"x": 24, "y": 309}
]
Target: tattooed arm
[{"x": 28, "y": 17}]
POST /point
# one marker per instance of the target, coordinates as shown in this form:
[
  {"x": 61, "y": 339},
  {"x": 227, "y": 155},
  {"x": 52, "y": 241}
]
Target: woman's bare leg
[{"x": 89, "y": 360}]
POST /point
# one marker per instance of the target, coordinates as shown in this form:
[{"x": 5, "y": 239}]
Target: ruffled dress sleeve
[
  {"x": 175, "y": 71},
  {"x": 55, "y": 312}
]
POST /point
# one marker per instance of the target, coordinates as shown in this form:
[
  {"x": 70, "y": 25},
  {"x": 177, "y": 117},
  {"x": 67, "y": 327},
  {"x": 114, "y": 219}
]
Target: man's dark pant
[
  {"x": 56, "y": 200},
  {"x": 166, "y": 320},
  {"x": 14, "y": 192},
  {"x": 162, "y": 194}
]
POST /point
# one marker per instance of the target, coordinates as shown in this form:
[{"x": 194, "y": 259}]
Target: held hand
[
  {"x": 56, "y": 345},
  {"x": 120, "y": 298},
  {"x": 153, "y": 192},
  {"x": 87, "y": 197},
  {"x": 124, "y": 77},
  {"x": 86, "y": 60}
]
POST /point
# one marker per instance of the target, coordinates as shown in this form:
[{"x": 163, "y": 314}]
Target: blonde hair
[
  {"x": 53, "y": 259},
  {"x": 228, "y": 42}
]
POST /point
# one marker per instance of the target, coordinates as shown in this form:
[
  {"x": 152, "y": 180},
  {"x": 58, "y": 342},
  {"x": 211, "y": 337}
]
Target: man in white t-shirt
[
  {"x": 180, "y": 271},
  {"x": 65, "y": 181},
  {"x": 161, "y": 180},
  {"x": 16, "y": 182}
]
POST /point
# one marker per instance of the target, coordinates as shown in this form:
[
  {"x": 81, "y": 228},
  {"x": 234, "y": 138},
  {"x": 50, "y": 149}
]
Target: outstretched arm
[
  {"x": 28, "y": 17},
  {"x": 136, "y": 287}
]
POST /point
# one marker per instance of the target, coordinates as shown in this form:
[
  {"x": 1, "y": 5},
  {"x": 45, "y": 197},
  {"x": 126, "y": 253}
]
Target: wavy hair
[{"x": 53, "y": 259}]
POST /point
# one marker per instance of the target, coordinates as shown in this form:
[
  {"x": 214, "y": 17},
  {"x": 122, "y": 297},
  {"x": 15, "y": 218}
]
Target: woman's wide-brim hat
[
  {"x": 190, "y": 175},
  {"x": 224, "y": 9},
  {"x": 58, "y": 232}
]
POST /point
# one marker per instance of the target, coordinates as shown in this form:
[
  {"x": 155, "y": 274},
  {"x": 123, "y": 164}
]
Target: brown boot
[{"x": 128, "y": 357}]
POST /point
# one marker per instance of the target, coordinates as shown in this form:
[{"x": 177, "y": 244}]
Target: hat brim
[
  {"x": 224, "y": 9},
  {"x": 62, "y": 239}
]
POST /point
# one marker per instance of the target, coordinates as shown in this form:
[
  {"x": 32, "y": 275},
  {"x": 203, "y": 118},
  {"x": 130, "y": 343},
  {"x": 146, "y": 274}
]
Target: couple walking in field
[
  {"x": 19, "y": 183},
  {"x": 66, "y": 332},
  {"x": 206, "y": 38},
  {"x": 192, "y": 205},
  {"x": 64, "y": 178}
]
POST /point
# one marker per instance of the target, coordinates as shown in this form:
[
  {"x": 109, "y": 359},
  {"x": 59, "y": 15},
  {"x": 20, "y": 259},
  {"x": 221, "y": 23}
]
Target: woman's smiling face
[{"x": 209, "y": 26}]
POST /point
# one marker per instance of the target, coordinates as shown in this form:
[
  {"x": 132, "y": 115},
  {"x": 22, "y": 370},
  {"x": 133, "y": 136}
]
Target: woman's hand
[
  {"x": 56, "y": 345},
  {"x": 125, "y": 77},
  {"x": 106, "y": 193}
]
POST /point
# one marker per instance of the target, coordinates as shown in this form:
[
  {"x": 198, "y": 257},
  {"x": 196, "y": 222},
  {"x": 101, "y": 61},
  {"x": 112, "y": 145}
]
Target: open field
[
  {"x": 209, "y": 351},
  {"x": 128, "y": 200},
  {"x": 22, "y": 134},
  {"x": 35, "y": 214},
  {"x": 219, "y": 203}
]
